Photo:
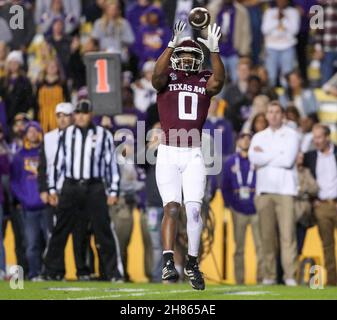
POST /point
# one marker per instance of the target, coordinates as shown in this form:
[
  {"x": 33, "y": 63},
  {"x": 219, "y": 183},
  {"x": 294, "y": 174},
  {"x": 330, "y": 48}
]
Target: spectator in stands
[
  {"x": 25, "y": 188},
  {"x": 3, "y": 119},
  {"x": 77, "y": 69},
  {"x": 255, "y": 15},
  {"x": 51, "y": 91},
  {"x": 238, "y": 190},
  {"x": 259, "y": 123},
  {"x": 39, "y": 55},
  {"x": 3, "y": 56},
  {"x": 260, "y": 105},
  {"x": 280, "y": 27},
  {"x": 322, "y": 163},
  {"x": 17, "y": 132},
  {"x": 16, "y": 215},
  {"x": 326, "y": 41},
  {"x": 122, "y": 213},
  {"x": 92, "y": 9},
  {"x": 4, "y": 170},
  {"x": 292, "y": 117},
  {"x": 216, "y": 122},
  {"x": 152, "y": 37},
  {"x": 307, "y": 191},
  {"x": 179, "y": 10},
  {"x": 6, "y": 34},
  {"x": 15, "y": 88},
  {"x": 144, "y": 93},
  {"x": 237, "y": 90},
  {"x": 273, "y": 151},
  {"x": 135, "y": 12},
  {"x": 46, "y": 11},
  {"x": 154, "y": 209},
  {"x": 61, "y": 43},
  {"x": 129, "y": 118},
  {"x": 112, "y": 31},
  {"x": 267, "y": 89},
  {"x": 22, "y": 37},
  {"x": 236, "y": 33},
  {"x": 307, "y": 123},
  {"x": 303, "y": 6},
  {"x": 239, "y": 112},
  {"x": 303, "y": 98}
]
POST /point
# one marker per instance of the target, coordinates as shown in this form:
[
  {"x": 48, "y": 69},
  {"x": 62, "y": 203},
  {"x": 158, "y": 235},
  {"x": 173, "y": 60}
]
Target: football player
[{"x": 184, "y": 94}]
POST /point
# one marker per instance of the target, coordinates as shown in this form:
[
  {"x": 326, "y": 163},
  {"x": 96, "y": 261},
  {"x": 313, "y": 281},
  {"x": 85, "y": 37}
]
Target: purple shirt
[
  {"x": 226, "y": 44},
  {"x": 150, "y": 43},
  {"x": 230, "y": 185},
  {"x": 23, "y": 176},
  {"x": 133, "y": 15}
]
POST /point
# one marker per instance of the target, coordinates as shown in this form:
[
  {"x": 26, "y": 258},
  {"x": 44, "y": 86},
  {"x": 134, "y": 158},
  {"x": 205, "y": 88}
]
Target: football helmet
[{"x": 187, "y": 64}]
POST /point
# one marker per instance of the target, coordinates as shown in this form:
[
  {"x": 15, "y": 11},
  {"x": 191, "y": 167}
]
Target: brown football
[{"x": 199, "y": 18}]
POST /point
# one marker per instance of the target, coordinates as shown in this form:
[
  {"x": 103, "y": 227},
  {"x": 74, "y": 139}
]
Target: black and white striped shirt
[{"x": 84, "y": 156}]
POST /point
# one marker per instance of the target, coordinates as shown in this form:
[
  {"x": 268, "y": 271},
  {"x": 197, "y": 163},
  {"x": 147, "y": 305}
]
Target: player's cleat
[
  {"x": 195, "y": 277},
  {"x": 170, "y": 272}
]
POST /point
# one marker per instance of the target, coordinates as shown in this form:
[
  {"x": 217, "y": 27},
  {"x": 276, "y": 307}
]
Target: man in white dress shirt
[
  {"x": 273, "y": 151},
  {"x": 322, "y": 163}
]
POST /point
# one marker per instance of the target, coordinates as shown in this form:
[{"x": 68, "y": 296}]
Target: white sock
[{"x": 194, "y": 227}]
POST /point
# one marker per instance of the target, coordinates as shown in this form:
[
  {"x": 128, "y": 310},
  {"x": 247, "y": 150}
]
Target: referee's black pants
[{"x": 82, "y": 203}]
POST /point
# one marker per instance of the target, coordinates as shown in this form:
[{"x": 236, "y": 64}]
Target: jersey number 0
[{"x": 193, "y": 97}]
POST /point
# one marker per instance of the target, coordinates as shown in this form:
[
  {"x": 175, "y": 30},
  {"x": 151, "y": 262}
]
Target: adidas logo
[{"x": 203, "y": 80}]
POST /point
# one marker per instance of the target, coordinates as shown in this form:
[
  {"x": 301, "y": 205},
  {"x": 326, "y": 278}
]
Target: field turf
[{"x": 105, "y": 291}]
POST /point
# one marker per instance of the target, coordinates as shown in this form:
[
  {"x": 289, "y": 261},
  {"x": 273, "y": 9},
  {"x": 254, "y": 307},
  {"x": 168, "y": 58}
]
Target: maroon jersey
[{"x": 183, "y": 107}]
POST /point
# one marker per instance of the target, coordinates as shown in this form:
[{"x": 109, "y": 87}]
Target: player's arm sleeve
[
  {"x": 287, "y": 155},
  {"x": 112, "y": 176}
]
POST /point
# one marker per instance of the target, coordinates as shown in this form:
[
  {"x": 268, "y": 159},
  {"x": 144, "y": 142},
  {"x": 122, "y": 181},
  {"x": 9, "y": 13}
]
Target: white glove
[
  {"x": 178, "y": 30},
  {"x": 212, "y": 41}
]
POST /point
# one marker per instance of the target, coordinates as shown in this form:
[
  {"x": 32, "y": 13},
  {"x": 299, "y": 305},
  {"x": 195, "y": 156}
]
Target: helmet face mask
[{"x": 188, "y": 57}]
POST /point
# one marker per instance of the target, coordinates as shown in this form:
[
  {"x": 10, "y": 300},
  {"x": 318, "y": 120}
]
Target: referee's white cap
[{"x": 65, "y": 108}]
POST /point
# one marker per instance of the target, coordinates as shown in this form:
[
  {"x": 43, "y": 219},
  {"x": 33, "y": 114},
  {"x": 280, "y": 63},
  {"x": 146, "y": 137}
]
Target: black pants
[{"x": 78, "y": 206}]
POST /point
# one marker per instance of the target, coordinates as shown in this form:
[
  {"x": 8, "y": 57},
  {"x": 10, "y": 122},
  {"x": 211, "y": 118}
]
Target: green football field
[{"x": 105, "y": 291}]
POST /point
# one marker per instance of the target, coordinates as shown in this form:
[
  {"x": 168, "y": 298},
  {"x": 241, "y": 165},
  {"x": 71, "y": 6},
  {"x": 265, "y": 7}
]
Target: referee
[{"x": 86, "y": 159}]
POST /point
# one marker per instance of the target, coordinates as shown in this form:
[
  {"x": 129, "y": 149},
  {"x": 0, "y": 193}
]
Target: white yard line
[{"x": 141, "y": 294}]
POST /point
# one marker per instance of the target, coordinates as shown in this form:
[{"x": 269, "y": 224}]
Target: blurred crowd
[{"x": 274, "y": 61}]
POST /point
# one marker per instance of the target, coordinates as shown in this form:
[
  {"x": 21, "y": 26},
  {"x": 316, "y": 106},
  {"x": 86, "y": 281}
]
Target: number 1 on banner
[{"x": 102, "y": 76}]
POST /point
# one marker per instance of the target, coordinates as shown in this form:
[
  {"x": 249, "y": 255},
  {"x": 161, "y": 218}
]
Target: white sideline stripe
[
  {"x": 139, "y": 294},
  {"x": 95, "y": 289}
]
